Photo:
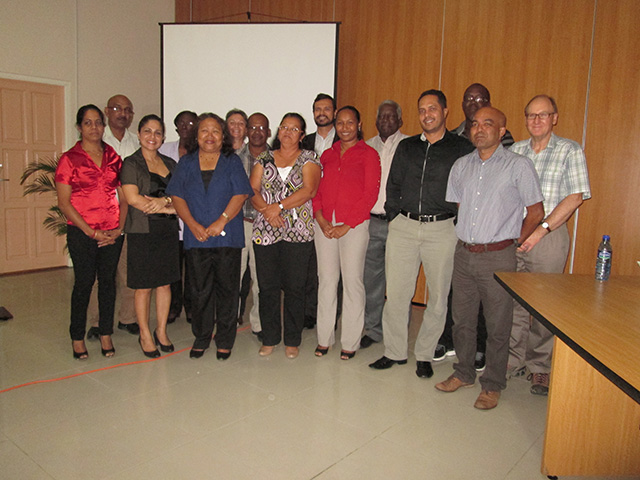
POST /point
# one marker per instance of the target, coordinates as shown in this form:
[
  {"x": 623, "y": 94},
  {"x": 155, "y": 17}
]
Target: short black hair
[
  {"x": 184, "y": 112},
  {"x": 324, "y": 96},
  {"x": 442, "y": 99}
]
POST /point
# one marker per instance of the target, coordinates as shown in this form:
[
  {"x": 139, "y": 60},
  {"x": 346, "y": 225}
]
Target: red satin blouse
[{"x": 93, "y": 189}]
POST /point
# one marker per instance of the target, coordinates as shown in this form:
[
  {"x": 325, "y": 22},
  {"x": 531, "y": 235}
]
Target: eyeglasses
[
  {"x": 186, "y": 124},
  {"x": 542, "y": 116},
  {"x": 118, "y": 108},
  {"x": 285, "y": 128},
  {"x": 477, "y": 99},
  {"x": 259, "y": 128}
]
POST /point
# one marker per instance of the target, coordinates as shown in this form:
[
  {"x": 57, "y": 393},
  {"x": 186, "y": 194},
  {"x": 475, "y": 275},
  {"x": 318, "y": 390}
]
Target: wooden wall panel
[
  {"x": 518, "y": 50},
  {"x": 612, "y": 141},
  {"x": 388, "y": 50}
]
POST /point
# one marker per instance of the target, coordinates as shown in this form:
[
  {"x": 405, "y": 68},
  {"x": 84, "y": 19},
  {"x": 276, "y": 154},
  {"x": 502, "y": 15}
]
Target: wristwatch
[
  {"x": 545, "y": 225},
  {"x": 281, "y": 206}
]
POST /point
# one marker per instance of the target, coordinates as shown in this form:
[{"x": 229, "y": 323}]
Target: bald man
[{"x": 492, "y": 187}]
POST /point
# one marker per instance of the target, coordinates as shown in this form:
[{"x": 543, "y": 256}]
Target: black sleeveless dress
[{"x": 153, "y": 258}]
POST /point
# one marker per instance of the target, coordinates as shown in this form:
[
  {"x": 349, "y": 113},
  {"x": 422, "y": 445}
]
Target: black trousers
[
  {"x": 282, "y": 266},
  {"x": 215, "y": 275},
  {"x": 180, "y": 290},
  {"x": 90, "y": 261}
]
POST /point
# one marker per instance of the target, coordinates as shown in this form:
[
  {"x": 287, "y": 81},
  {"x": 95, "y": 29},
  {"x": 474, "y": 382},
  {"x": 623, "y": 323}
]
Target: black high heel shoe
[
  {"x": 80, "y": 355},
  {"x": 163, "y": 347},
  {"x": 107, "y": 352},
  {"x": 153, "y": 354},
  {"x": 194, "y": 353}
]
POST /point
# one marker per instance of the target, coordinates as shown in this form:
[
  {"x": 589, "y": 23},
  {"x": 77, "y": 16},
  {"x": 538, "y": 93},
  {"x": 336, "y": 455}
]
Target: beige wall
[{"x": 94, "y": 49}]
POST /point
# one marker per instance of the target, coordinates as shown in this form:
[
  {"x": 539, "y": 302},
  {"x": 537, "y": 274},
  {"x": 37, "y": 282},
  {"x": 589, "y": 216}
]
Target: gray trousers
[
  {"x": 249, "y": 258},
  {"x": 531, "y": 343},
  {"x": 342, "y": 256},
  {"x": 409, "y": 244},
  {"x": 375, "y": 284},
  {"x": 473, "y": 282}
]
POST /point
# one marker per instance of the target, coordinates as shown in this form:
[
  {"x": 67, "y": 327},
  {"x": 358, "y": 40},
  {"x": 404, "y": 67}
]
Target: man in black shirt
[{"x": 421, "y": 231}]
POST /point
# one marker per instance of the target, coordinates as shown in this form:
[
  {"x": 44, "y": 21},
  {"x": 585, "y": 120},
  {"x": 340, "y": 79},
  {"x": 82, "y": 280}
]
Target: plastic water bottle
[{"x": 603, "y": 262}]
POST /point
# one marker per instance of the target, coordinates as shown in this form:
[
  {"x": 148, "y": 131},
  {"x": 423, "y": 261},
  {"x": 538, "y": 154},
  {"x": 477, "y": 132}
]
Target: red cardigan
[{"x": 349, "y": 185}]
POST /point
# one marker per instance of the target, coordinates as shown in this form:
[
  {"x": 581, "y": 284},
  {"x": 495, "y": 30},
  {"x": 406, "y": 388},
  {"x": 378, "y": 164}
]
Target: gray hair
[{"x": 393, "y": 104}]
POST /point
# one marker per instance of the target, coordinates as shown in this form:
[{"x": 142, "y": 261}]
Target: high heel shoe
[
  {"x": 321, "y": 351},
  {"x": 80, "y": 355},
  {"x": 223, "y": 355},
  {"x": 344, "y": 355},
  {"x": 153, "y": 354},
  {"x": 107, "y": 352},
  {"x": 163, "y": 347}
]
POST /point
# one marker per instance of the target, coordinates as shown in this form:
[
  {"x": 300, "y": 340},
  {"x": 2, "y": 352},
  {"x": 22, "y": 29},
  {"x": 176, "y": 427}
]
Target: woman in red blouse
[
  {"x": 347, "y": 192},
  {"x": 87, "y": 179}
]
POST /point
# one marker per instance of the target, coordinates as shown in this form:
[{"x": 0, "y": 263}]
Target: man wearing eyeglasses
[
  {"x": 119, "y": 113},
  {"x": 258, "y": 133},
  {"x": 564, "y": 179}
]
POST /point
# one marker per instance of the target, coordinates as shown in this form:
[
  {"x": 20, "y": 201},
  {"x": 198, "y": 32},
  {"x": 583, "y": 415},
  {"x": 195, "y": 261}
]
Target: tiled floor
[{"x": 249, "y": 417}]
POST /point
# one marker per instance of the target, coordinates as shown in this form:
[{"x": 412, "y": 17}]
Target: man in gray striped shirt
[
  {"x": 562, "y": 168},
  {"x": 492, "y": 186}
]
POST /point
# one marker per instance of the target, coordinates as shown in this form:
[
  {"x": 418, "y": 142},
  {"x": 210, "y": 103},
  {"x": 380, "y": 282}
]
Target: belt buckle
[{"x": 426, "y": 218}]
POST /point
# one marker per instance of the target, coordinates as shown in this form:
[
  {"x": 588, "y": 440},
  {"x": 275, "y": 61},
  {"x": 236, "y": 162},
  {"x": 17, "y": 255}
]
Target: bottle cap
[{"x": 606, "y": 238}]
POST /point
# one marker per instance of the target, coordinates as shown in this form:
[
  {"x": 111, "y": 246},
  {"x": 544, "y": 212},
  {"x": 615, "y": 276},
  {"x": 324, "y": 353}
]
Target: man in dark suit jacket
[{"x": 324, "y": 114}]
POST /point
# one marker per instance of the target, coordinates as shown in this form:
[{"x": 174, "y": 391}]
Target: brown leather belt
[{"x": 488, "y": 247}]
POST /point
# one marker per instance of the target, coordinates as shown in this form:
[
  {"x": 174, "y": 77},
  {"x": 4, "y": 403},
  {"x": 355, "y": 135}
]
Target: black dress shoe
[
  {"x": 383, "y": 363},
  {"x": 93, "y": 333},
  {"x": 132, "y": 328},
  {"x": 367, "y": 341},
  {"x": 196, "y": 353},
  {"x": 223, "y": 355},
  {"x": 309, "y": 322},
  {"x": 424, "y": 369},
  {"x": 152, "y": 354},
  {"x": 163, "y": 347}
]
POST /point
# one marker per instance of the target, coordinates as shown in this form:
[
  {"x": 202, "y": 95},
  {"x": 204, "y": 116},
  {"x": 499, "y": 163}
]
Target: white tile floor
[{"x": 248, "y": 417}]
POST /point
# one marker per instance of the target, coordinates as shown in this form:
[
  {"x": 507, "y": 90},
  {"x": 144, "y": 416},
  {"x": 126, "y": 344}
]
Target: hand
[
  {"x": 216, "y": 228},
  {"x": 153, "y": 205},
  {"x": 340, "y": 230},
  {"x": 532, "y": 240},
  {"x": 103, "y": 238},
  {"x": 199, "y": 232}
]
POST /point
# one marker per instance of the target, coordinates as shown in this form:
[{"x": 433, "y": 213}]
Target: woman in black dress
[{"x": 152, "y": 229}]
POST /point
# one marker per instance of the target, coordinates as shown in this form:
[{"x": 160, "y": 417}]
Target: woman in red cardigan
[{"x": 347, "y": 192}]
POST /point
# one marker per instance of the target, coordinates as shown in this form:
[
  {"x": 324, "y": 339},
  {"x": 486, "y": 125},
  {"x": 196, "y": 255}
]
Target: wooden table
[{"x": 593, "y": 415}]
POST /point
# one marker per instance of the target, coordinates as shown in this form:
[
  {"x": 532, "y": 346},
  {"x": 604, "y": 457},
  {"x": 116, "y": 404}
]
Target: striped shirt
[
  {"x": 562, "y": 168},
  {"x": 492, "y": 195}
]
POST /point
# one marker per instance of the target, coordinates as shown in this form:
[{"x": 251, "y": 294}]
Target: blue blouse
[{"x": 206, "y": 206}]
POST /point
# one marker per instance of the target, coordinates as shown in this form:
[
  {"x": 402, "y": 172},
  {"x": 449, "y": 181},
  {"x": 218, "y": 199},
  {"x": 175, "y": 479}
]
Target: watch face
[{"x": 545, "y": 225}]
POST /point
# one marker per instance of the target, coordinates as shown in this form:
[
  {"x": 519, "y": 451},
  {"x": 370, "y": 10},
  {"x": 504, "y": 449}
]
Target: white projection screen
[{"x": 273, "y": 68}]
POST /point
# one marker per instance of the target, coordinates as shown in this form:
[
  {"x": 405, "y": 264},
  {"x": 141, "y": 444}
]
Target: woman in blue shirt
[{"x": 208, "y": 190}]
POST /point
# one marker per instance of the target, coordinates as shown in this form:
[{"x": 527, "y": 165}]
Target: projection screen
[{"x": 272, "y": 68}]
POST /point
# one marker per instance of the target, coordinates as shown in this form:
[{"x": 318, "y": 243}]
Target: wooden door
[{"x": 31, "y": 127}]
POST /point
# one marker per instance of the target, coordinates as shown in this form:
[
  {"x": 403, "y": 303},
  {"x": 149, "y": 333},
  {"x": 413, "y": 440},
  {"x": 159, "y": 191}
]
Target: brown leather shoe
[
  {"x": 266, "y": 350},
  {"x": 487, "y": 400},
  {"x": 291, "y": 352},
  {"x": 452, "y": 384}
]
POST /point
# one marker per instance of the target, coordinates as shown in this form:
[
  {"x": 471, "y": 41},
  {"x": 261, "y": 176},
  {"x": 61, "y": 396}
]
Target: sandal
[
  {"x": 321, "y": 351},
  {"x": 344, "y": 355}
]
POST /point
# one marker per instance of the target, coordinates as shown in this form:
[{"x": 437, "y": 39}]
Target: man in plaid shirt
[{"x": 562, "y": 168}]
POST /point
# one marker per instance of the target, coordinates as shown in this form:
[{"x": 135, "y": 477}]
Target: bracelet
[
  {"x": 168, "y": 201},
  {"x": 95, "y": 232},
  {"x": 224, "y": 214},
  {"x": 281, "y": 206}
]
